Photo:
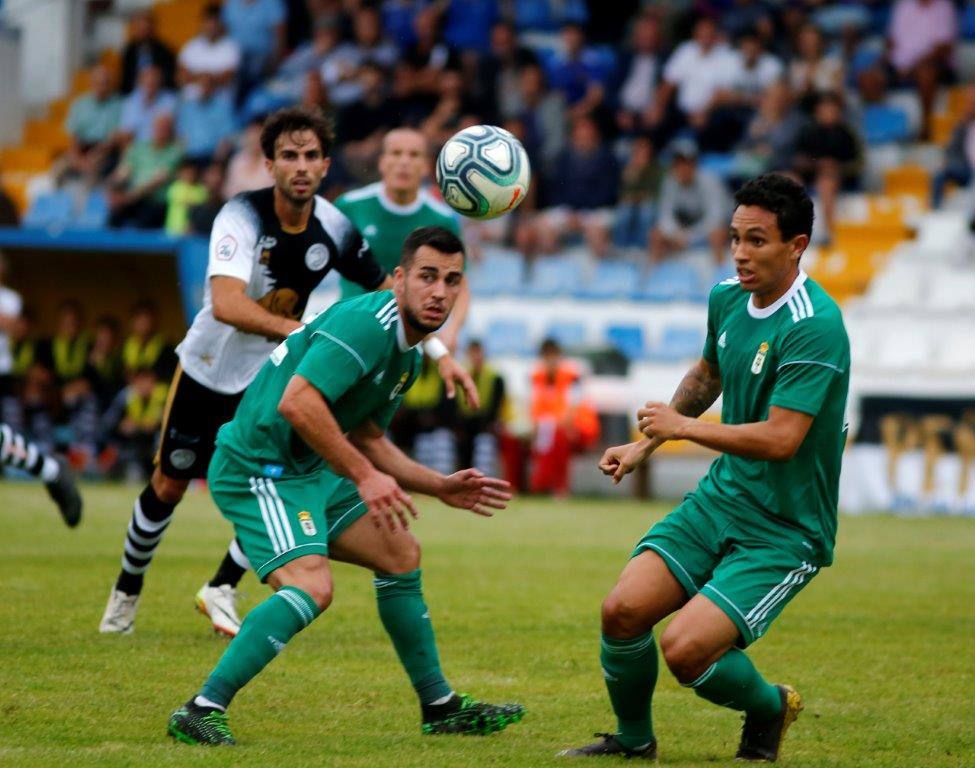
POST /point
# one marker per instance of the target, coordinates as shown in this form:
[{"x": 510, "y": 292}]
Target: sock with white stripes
[
  {"x": 20, "y": 453},
  {"x": 399, "y": 597},
  {"x": 733, "y": 682},
  {"x": 150, "y": 518},
  {"x": 233, "y": 567},
  {"x": 263, "y": 635}
]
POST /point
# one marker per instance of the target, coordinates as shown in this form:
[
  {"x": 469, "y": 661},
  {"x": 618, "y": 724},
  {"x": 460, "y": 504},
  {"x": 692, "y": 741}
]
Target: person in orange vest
[{"x": 562, "y": 423}]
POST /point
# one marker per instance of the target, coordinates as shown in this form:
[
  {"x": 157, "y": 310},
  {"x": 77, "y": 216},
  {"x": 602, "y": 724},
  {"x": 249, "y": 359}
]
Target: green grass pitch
[{"x": 882, "y": 646}]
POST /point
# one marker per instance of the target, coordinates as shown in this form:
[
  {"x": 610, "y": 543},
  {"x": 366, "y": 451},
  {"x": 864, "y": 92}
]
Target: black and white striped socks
[
  {"x": 20, "y": 453},
  {"x": 150, "y": 518}
]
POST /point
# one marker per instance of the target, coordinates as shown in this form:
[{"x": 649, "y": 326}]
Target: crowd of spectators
[{"x": 638, "y": 117}]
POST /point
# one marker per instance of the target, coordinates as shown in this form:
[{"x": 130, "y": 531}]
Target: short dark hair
[
  {"x": 292, "y": 120},
  {"x": 782, "y": 196},
  {"x": 438, "y": 238},
  {"x": 212, "y": 11}
]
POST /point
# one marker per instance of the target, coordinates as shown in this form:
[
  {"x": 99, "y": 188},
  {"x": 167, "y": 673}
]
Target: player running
[
  {"x": 305, "y": 473},
  {"x": 384, "y": 213},
  {"x": 17, "y": 452},
  {"x": 762, "y": 522},
  {"x": 268, "y": 250}
]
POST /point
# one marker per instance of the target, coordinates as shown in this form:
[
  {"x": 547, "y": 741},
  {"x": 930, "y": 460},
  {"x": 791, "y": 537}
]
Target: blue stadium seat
[
  {"x": 610, "y": 280},
  {"x": 628, "y": 339},
  {"x": 723, "y": 165},
  {"x": 674, "y": 280},
  {"x": 541, "y": 16},
  {"x": 498, "y": 273},
  {"x": 882, "y": 125},
  {"x": 722, "y": 272},
  {"x": 554, "y": 276},
  {"x": 50, "y": 209},
  {"x": 678, "y": 342},
  {"x": 94, "y": 212},
  {"x": 507, "y": 337},
  {"x": 967, "y": 22},
  {"x": 569, "y": 335}
]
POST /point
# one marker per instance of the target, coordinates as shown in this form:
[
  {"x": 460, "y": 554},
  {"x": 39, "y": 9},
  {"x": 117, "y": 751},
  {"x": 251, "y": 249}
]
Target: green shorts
[
  {"x": 749, "y": 577},
  {"x": 279, "y": 519}
]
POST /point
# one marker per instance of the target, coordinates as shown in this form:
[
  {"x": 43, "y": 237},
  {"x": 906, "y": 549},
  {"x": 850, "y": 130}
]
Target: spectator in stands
[
  {"x": 497, "y": 84},
  {"x": 693, "y": 208},
  {"x": 9, "y": 216},
  {"x": 811, "y": 71},
  {"x": 145, "y": 50},
  {"x": 361, "y": 125},
  {"x": 93, "y": 120},
  {"x": 66, "y": 353},
  {"x": 828, "y": 155},
  {"x": 577, "y": 75},
  {"x": 258, "y": 28},
  {"x": 132, "y": 421},
  {"x": 146, "y": 103},
  {"x": 583, "y": 187},
  {"x": 770, "y": 140},
  {"x": 423, "y": 424},
  {"x": 543, "y": 116},
  {"x": 315, "y": 96},
  {"x": 642, "y": 70},
  {"x": 105, "y": 370},
  {"x": 322, "y": 54},
  {"x": 205, "y": 121},
  {"x": 369, "y": 43},
  {"x": 23, "y": 343},
  {"x": 11, "y": 306},
  {"x": 185, "y": 192},
  {"x": 920, "y": 45},
  {"x": 959, "y": 157},
  {"x": 212, "y": 53},
  {"x": 424, "y": 65},
  {"x": 202, "y": 215},
  {"x": 39, "y": 407},
  {"x": 478, "y": 429},
  {"x": 145, "y": 347},
  {"x": 247, "y": 169},
  {"x": 562, "y": 423},
  {"x": 745, "y": 16},
  {"x": 639, "y": 189},
  {"x": 692, "y": 76},
  {"x": 137, "y": 190},
  {"x": 454, "y": 109}
]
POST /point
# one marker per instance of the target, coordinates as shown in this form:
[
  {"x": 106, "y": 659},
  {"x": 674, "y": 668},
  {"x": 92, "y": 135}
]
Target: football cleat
[
  {"x": 119, "y": 616},
  {"x": 610, "y": 745},
  {"x": 220, "y": 604},
  {"x": 193, "y": 724},
  {"x": 64, "y": 493},
  {"x": 762, "y": 739},
  {"x": 464, "y": 715}
]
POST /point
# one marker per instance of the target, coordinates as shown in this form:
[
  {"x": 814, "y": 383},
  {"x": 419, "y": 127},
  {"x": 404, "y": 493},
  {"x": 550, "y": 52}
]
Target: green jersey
[
  {"x": 384, "y": 224},
  {"x": 792, "y": 354},
  {"x": 355, "y": 354}
]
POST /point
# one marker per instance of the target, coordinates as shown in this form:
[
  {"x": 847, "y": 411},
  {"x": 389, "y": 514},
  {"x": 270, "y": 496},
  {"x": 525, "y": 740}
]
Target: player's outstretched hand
[
  {"x": 388, "y": 504},
  {"x": 472, "y": 489},
  {"x": 454, "y": 374},
  {"x": 618, "y": 461}
]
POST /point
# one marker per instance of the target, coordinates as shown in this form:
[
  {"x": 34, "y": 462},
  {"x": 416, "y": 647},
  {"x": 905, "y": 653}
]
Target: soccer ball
[{"x": 483, "y": 172}]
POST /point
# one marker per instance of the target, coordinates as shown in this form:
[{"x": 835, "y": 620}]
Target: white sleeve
[
  {"x": 233, "y": 242},
  {"x": 676, "y": 64}
]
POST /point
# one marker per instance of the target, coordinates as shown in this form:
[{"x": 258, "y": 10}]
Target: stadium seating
[
  {"x": 628, "y": 339},
  {"x": 677, "y": 343},
  {"x": 507, "y": 337},
  {"x": 610, "y": 280},
  {"x": 673, "y": 281},
  {"x": 498, "y": 273},
  {"x": 883, "y": 124},
  {"x": 51, "y": 210},
  {"x": 553, "y": 276},
  {"x": 569, "y": 334}
]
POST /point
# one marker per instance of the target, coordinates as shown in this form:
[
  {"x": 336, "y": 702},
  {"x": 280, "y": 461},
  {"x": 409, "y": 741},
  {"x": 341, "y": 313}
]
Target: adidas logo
[
  {"x": 722, "y": 339},
  {"x": 378, "y": 377},
  {"x": 608, "y": 676},
  {"x": 276, "y": 644}
]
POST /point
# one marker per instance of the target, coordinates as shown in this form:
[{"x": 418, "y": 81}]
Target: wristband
[{"x": 435, "y": 349}]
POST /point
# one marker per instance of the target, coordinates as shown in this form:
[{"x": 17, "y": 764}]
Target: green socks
[
  {"x": 263, "y": 635},
  {"x": 630, "y": 670},
  {"x": 403, "y": 612},
  {"x": 733, "y": 682}
]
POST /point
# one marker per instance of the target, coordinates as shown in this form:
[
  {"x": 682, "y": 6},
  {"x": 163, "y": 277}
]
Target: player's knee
[
  {"x": 319, "y": 590},
  {"x": 406, "y": 557},
  {"x": 168, "y": 489},
  {"x": 622, "y": 618},
  {"x": 685, "y": 655}
]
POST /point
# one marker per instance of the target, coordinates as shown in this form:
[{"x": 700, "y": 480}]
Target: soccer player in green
[
  {"x": 762, "y": 522},
  {"x": 387, "y": 211},
  {"x": 305, "y": 472}
]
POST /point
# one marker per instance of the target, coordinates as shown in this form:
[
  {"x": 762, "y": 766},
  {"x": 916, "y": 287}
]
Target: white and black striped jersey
[{"x": 280, "y": 270}]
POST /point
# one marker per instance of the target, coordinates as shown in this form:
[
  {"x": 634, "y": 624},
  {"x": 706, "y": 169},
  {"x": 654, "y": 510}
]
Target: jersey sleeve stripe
[
  {"x": 792, "y": 309},
  {"x": 810, "y": 362},
  {"x": 346, "y": 347},
  {"x": 806, "y": 300}
]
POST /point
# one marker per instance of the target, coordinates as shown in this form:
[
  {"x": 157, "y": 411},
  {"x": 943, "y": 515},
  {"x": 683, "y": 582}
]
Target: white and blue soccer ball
[{"x": 483, "y": 172}]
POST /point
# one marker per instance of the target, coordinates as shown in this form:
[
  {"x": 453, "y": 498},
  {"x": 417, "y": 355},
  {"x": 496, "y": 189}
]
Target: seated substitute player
[
  {"x": 304, "y": 472},
  {"x": 762, "y": 522},
  {"x": 269, "y": 249}
]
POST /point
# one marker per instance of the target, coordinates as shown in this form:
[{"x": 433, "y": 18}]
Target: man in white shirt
[{"x": 212, "y": 52}]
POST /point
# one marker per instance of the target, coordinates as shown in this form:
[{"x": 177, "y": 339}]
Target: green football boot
[
  {"x": 193, "y": 724},
  {"x": 463, "y": 714}
]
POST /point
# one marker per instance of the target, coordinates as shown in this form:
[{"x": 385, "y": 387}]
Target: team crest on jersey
[
  {"x": 264, "y": 245},
  {"x": 759, "y": 362},
  {"x": 399, "y": 385},
  {"x": 723, "y": 339},
  {"x": 316, "y": 257},
  {"x": 226, "y": 248},
  {"x": 307, "y": 524},
  {"x": 182, "y": 458}
]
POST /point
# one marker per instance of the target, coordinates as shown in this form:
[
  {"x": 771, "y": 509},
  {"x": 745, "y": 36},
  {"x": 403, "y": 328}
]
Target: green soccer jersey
[
  {"x": 355, "y": 354},
  {"x": 384, "y": 224},
  {"x": 792, "y": 354}
]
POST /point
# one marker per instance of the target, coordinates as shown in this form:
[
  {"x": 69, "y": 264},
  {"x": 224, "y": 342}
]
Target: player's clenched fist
[
  {"x": 661, "y": 421},
  {"x": 618, "y": 461},
  {"x": 386, "y": 501}
]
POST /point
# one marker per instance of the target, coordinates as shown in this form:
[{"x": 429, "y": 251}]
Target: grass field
[{"x": 882, "y": 646}]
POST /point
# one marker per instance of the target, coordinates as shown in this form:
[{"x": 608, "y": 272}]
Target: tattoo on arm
[{"x": 698, "y": 389}]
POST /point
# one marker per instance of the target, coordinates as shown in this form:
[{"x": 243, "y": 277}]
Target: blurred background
[{"x": 125, "y": 125}]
